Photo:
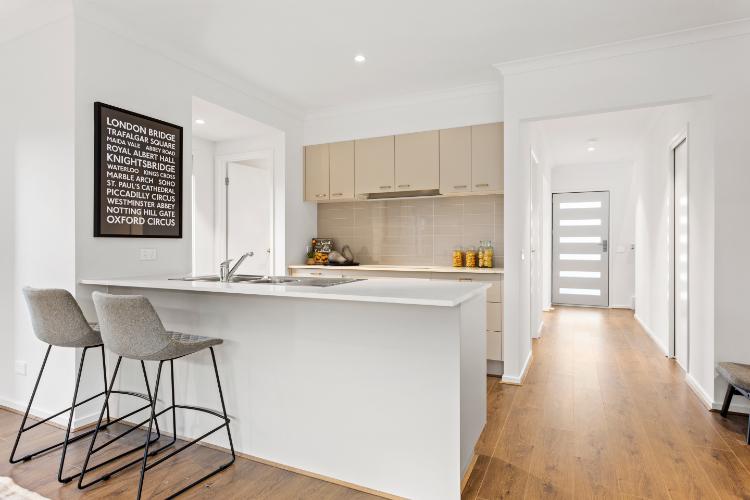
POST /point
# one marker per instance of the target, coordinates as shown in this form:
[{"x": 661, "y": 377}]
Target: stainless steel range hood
[{"x": 391, "y": 195}]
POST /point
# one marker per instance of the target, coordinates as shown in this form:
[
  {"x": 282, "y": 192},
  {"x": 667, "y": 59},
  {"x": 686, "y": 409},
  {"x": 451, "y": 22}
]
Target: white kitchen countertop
[
  {"x": 384, "y": 290},
  {"x": 411, "y": 269}
]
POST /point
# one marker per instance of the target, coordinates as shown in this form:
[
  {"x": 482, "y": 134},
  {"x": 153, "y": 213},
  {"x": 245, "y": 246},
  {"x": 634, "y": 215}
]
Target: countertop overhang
[{"x": 380, "y": 290}]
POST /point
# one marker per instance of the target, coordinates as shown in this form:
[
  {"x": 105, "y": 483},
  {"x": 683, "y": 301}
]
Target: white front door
[
  {"x": 248, "y": 217},
  {"x": 681, "y": 254},
  {"x": 580, "y": 253}
]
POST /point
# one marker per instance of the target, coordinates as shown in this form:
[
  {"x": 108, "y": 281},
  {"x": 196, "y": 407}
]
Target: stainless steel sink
[
  {"x": 237, "y": 278},
  {"x": 274, "y": 280}
]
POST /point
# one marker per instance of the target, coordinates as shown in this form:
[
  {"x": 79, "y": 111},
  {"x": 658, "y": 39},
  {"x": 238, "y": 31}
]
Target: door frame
[
  {"x": 220, "y": 200},
  {"x": 536, "y": 289},
  {"x": 679, "y": 138},
  {"x": 552, "y": 245}
]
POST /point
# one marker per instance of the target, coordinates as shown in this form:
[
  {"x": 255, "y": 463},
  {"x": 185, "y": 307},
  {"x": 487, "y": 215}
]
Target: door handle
[{"x": 605, "y": 246}]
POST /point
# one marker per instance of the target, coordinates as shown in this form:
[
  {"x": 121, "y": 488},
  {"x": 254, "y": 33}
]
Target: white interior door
[
  {"x": 580, "y": 253},
  {"x": 249, "y": 216},
  {"x": 681, "y": 254}
]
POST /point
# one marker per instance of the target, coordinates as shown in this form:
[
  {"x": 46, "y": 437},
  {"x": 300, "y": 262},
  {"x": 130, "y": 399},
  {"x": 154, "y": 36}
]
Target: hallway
[{"x": 603, "y": 414}]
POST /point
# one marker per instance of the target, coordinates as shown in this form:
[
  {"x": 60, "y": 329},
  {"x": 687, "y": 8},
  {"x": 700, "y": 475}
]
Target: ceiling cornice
[
  {"x": 492, "y": 87},
  {"x": 706, "y": 33},
  {"x": 197, "y": 64}
]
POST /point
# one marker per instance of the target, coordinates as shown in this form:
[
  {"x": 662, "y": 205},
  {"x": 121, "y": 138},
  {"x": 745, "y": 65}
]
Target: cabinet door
[
  {"x": 418, "y": 161},
  {"x": 455, "y": 160},
  {"x": 316, "y": 172},
  {"x": 487, "y": 157},
  {"x": 342, "y": 170},
  {"x": 373, "y": 165}
]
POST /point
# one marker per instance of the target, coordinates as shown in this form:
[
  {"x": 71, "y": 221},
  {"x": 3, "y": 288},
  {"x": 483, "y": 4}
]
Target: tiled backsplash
[{"x": 418, "y": 231}]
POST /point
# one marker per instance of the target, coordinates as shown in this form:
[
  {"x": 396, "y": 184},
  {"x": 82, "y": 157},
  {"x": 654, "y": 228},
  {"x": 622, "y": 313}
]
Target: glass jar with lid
[
  {"x": 458, "y": 257},
  {"x": 480, "y": 253},
  {"x": 488, "y": 255},
  {"x": 471, "y": 257}
]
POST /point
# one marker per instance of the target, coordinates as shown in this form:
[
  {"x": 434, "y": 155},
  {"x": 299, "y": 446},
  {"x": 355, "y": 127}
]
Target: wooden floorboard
[{"x": 602, "y": 414}]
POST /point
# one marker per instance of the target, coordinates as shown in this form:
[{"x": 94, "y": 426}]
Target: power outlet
[
  {"x": 148, "y": 253},
  {"x": 20, "y": 368}
]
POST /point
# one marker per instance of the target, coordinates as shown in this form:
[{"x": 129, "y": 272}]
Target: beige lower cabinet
[{"x": 494, "y": 299}]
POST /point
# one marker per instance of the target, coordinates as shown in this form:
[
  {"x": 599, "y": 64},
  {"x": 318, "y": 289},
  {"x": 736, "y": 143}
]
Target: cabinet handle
[
  {"x": 385, "y": 187},
  {"x": 404, "y": 185},
  {"x": 481, "y": 185},
  {"x": 337, "y": 194},
  {"x": 322, "y": 195},
  {"x": 463, "y": 186}
]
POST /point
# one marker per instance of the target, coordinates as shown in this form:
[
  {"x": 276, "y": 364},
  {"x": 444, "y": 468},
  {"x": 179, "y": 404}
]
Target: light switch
[
  {"x": 20, "y": 367},
  {"x": 148, "y": 253}
]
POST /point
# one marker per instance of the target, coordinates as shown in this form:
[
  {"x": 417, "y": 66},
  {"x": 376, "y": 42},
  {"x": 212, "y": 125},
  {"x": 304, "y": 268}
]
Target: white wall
[
  {"x": 677, "y": 72},
  {"x": 458, "y": 107},
  {"x": 37, "y": 204},
  {"x": 203, "y": 207},
  {"x": 654, "y": 185},
  {"x": 113, "y": 69},
  {"x": 619, "y": 181}
]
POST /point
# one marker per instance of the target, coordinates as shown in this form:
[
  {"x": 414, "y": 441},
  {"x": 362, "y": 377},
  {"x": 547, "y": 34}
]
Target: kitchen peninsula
[{"x": 378, "y": 383}]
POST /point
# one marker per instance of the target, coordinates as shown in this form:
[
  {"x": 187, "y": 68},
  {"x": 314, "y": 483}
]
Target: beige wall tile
[{"x": 421, "y": 231}]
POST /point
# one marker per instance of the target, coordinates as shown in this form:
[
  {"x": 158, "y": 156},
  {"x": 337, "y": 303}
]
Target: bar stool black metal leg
[
  {"x": 104, "y": 372},
  {"x": 223, "y": 406},
  {"x": 98, "y": 423},
  {"x": 727, "y": 400},
  {"x": 92, "y": 449},
  {"x": 148, "y": 392},
  {"x": 70, "y": 417},
  {"x": 148, "y": 434},
  {"x": 26, "y": 415},
  {"x": 145, "y": 466}
]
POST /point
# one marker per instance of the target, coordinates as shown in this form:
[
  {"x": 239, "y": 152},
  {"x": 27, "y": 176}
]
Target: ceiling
[
  {"x": 618, "y": 136},
  {"x": 222, "y": 124},
  {"x": 303, "y": 51}
]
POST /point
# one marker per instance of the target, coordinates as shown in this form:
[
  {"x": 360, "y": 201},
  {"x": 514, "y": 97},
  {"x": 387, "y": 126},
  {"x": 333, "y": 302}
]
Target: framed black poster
[{"x": 137, "y": 175}]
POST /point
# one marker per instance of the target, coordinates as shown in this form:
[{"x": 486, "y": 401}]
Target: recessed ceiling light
[
  {"x": 200, "y": 121},
  {"x": 359, "y": 58},
  {"x": 591, "y": 145}
]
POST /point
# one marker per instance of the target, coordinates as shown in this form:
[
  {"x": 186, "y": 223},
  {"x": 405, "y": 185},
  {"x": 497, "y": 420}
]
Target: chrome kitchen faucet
[{"x": 225, "y": 273}]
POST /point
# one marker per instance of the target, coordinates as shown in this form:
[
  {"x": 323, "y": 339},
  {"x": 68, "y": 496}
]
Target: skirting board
[
  {"x": 60, "y": 422},
  {"x": 518, "y": 380},
  {"x": 739, "y": 403},
  {"x": 289, "y": 468},
  {"x": 651, "y": 334},
  {"x": 468, "y": 472}
]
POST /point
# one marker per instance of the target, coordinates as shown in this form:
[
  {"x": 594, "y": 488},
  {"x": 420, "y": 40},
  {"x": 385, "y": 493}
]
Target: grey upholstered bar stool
[
  {"x": 131, "y": 328},
  {"x": 57, "y": 320}
]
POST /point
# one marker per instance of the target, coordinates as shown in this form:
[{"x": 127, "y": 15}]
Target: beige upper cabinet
[
  {"x": 487, "y": 157},
  {"x": 455, "y": 160},
  {"x": 418, "y": 161},
  {"x": 374, "y": 165},
  {"x": 342, "y": 170},
  {"x": 316, "y": 172}
]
